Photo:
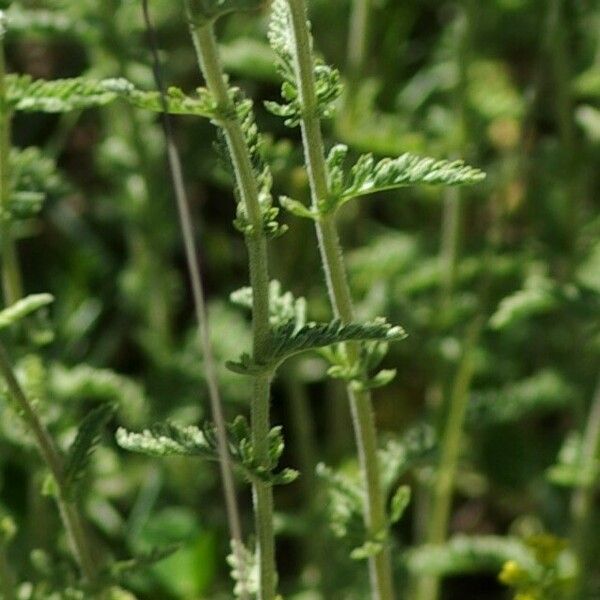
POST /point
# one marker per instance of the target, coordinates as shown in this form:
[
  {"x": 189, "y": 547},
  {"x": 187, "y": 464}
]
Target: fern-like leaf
[
  {"x": 369, "y": 177},
  {"x": 22, "y": 308},
  {"x": 84, "y": 444},
  {"x": 23, "y": 93},
  {"x": 166, "y": 439},
  {"x": 172, "y": 439},
  {"x": 328, "y": 87},
  {"x": 287, "y": 340},
  {"x": 178, "y": 103},
  {"x": 283, "y": 306}
]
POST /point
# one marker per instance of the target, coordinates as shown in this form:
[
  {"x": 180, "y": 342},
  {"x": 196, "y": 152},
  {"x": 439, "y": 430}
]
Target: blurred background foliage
[{"x": 512, "y": 86}]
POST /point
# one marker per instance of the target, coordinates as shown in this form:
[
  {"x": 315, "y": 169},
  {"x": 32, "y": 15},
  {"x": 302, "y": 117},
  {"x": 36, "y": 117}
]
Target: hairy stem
[
  {"x": 69, "y": 512},
  {"x": 339, "y": 293},
  {"x": 203, "y": 324},
  {"x": 210, "y": 65},
  {"x": 11, "y": 274},
  {"x": 582, "y": 503}
]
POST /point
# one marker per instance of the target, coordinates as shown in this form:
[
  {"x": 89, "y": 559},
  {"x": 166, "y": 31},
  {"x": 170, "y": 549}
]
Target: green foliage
[
  {"x": 57, "y": 96},
  {"x": 166, "y": 439},
  {"x": 573, "y": 469},
  {"x": 283, "y": 306},
  {"x": 171, "y": 439},
  {"x": 23, "y": 308},
  {"x": 369, "y": 177},
  {"x": 83, "y": 446},
  {"x": 23, "y": 21},
  {"x": 399, "y": 503},
  {"x": 328, "y": 84},
  {"x": 401, "y": 454},
  {"x": 244, "y": 571},
  {"x": 202, "y": 104},
  {"x": 468, "y": 554},
  {"x": 542, "y": 392},
  {"x": 288, "y": 340},
  {"x": 32, "y": 177},
  {"x": 539, "y": 296}
]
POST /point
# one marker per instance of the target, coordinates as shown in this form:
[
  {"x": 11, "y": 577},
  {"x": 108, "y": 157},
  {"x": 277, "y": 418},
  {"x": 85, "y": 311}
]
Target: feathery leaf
[
  {"x": 23, "y": 93},
  {"x": 328, "y": 87},
  {"x": 287, "y": 340}
]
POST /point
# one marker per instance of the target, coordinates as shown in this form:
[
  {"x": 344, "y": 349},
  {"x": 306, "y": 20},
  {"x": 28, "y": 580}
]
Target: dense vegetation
[{"x": 300, "y": 299}]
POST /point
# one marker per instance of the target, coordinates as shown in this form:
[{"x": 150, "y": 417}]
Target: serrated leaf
[
  {"x": 23, "y": 93},
  {"x": 84, "y": 444},
  {"x": 201, "y": 104},
  {"x": 22, "y": 308},
  {"x": 369, "y": 177},
  {"x": 287, "y": 340},
  {"x": 166, "y": 439},
  {"x": 283, "y": 306}
]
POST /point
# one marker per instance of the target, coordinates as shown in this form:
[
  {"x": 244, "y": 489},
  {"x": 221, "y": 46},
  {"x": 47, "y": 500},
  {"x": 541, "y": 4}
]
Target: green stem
[
  {"x": 582, "y": 504},
  {"x": 451, "y": 219},
  {"x": 358, "y": 41},
  {"x": 68, "y": 510},
  {"x": 11, "y": 274},
  {"x": 438, "y": 514},
  {"x": 339, "y": 293},
  {"x": 428, "y": 587},
  {"x": 210, "y": 65},
  {"x": 7, "y": 579},
  {"x": 195, "y": 275}
]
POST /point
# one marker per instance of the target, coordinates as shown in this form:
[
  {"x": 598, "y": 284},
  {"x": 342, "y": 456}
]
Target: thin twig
[{"x": 194, "y": 272}]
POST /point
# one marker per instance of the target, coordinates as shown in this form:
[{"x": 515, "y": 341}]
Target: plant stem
[
  {"x": 428, "y": 586},
  {"x": 68, "y": 510},
  {"x": 438, "y": 514},
  {"x": 11, "y": 275},
  {"x": 203, "y": 324},
  {"x": 339, "y": 293},
  {"x": 210, "y": 65},
  {"x": 582, "y": 503},
  {"x": 358, "y": 40}
]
